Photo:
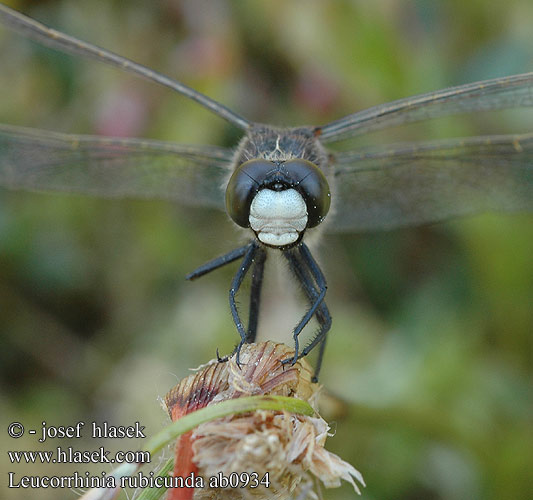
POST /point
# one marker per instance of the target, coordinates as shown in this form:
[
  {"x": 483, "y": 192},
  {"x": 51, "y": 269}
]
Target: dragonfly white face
[{"x": 278, "y": 218}]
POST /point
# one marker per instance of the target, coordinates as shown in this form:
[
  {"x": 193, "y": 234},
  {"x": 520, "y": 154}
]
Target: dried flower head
[{"x": 287, "y": 449}]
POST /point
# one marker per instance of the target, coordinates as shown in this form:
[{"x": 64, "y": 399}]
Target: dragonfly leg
[
  {"x": 218, "y": 262},
  {"x": 324, "y": 320},
  {"x": 255, "y": 294},
  {"x": 247, "y": 251},
  {"x": 322, "y": 333},
  {"x": 308, "y": 273},
  {"x": 241, "y": 273},
  {"x": 322, "y": 315}
]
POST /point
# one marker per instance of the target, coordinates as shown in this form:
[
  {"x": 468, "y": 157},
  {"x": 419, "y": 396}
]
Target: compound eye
[
  {"x": 312, "y": 184},
  {"x": 243, "y": 186}
]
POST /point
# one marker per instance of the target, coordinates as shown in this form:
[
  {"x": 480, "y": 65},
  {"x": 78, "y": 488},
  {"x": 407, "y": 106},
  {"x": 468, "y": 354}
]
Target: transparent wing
[
  {"x": 417, "y": 183},
  {"x": 40, "y": 33},
  {"x": 114, "y": 168},
  {"x": 499, "y": 93}
]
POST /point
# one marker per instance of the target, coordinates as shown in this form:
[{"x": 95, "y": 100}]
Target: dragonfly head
[{"x": 278, "y": 200}]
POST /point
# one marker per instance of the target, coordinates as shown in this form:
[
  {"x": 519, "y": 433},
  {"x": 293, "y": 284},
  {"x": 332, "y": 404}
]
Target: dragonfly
[{"x": 284, "y": 185}]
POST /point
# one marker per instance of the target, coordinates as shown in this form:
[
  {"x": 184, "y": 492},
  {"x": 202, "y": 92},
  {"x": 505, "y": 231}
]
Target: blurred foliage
[{"x": 430, "y": 347}]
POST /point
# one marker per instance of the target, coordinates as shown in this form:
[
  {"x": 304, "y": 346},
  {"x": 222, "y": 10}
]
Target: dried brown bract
[{"x": 287, "y": 449}]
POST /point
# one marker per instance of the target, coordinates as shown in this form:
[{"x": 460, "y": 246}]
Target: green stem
[{"x": 222, "y": 409}]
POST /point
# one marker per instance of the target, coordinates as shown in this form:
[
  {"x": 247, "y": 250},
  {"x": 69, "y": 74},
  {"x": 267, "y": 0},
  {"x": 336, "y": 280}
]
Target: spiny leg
[
  {"x": 218, "y": 262},
  {"x": 307, "y": 271},
  {"x": 322, "y": 314},
  {"x": 323, "y": 334},
  {"x": 324, "y": 321},
  {"x": 246, "y": 263},
  {"x": 255, "y": 294},
  {"x": 320, "y": 280},
  {"x": 309, "y": 263}
]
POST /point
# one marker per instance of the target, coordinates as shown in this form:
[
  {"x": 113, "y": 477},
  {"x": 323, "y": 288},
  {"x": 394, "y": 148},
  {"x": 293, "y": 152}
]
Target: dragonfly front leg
[
  {"x": 218, "y": 262},
  {"x": 247, "y": 251},
  {"x": 300, "y": 269},
  {"x": 308, "y": 273},
  {"x": 235, "y": 286},
  {"x": 255, "y": 294}
]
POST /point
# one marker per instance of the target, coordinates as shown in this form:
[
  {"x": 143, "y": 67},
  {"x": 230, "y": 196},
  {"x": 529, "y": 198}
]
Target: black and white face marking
[{"x": 278, "y": 200}]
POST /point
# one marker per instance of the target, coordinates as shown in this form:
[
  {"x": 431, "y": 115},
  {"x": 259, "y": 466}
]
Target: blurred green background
[{"x": 430, "y": 347}]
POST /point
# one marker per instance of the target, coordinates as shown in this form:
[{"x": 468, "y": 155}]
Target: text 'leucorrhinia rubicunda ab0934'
[{"x": 284, "y": 184}]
